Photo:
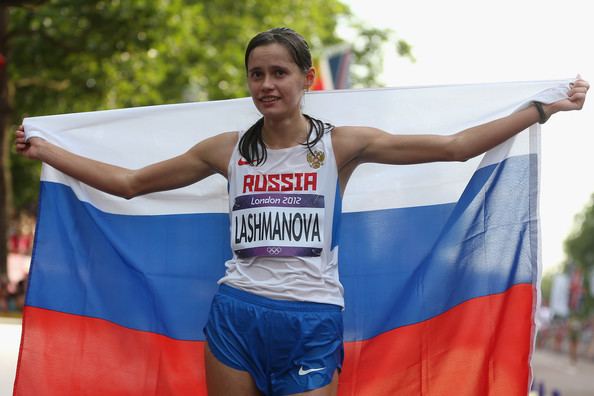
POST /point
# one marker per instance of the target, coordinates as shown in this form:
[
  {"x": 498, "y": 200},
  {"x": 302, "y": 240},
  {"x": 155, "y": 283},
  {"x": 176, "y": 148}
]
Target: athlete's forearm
[
  {"x": 105, "y": 177},
  {"x": 477, "y": 140}
]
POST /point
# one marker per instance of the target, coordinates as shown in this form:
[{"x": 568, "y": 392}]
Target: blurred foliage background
[
  {"x": 579, "y": 247},
  {"x": 64, "y": 56},
  {"x": 578, "y": 265}
]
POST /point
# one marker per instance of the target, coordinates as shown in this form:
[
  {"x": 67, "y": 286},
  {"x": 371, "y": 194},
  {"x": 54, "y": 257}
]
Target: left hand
[{"x": 575, "y": 98}]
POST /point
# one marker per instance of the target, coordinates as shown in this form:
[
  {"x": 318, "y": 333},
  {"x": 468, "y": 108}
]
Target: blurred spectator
[
  {"x": 574, "y": 330},
  {"x": 20, "y": 246},
  {"x": 21, "y": 232},
  {"x": 3, "y": 294},
  {"x": 590, "y": 339},
  {"x": 543, "y": 323},
  {"x": 12, "y": 295},
  {"x": 560, "y": 332}
]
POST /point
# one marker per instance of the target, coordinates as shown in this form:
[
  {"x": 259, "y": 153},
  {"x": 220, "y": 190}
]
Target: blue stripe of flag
[{"x": 398, "y": 266}]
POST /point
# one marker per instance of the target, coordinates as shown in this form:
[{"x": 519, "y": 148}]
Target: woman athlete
[{"x": 275, "y": 325}]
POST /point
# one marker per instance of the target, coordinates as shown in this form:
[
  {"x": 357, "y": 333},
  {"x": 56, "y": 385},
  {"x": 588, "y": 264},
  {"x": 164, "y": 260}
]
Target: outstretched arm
[
  {"x": 204, "y": 159},
  {"x": 358, "y": 145}
]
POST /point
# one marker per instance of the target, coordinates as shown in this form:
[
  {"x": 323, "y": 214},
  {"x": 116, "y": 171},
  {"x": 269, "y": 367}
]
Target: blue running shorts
[{"x": 287, "y": 346}]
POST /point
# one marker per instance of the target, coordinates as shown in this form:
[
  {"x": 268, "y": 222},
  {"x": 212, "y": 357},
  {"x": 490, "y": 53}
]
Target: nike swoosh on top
[
  {"x": 242, "y": 162},
  {"x": 305, "y": 372}
]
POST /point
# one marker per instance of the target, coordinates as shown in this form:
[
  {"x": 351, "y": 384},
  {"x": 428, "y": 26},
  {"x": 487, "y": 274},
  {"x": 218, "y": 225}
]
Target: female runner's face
[{"x": 275, "y": 81}]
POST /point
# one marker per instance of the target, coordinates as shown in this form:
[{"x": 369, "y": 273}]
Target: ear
[{"x": 310, "y": 77}]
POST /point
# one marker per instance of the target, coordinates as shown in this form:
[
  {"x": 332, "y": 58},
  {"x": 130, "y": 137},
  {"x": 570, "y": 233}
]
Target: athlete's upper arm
[
  {"x": 215, "y": 153},
  {"x": 202, "y": 160},
  {"x": 365, "y": 144}
]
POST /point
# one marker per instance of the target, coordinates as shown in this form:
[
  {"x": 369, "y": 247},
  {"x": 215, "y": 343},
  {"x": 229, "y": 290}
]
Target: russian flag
[{"x": 439, "y": 261}]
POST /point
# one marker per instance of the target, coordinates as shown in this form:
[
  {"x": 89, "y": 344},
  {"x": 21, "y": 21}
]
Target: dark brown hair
[{"x": 251, "y": 145}]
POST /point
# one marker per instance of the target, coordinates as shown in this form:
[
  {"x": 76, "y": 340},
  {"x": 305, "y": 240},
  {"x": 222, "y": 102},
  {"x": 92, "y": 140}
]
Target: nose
[{"x": 268, "y": 82}]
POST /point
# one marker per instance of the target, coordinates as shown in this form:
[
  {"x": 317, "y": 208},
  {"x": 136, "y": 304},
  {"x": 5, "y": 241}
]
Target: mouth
[{"x": 269, "y": 99}]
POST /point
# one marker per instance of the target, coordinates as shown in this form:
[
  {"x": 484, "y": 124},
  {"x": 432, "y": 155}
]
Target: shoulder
[
  {"x": 353, "y": 136},
  {"x": 216, "y": 151},
  {"x": 348, "y": 142},
  {"x": 216, "y": 148},
  {"x": 221, "y": 141},
  {"x": 226, "y": 138}
]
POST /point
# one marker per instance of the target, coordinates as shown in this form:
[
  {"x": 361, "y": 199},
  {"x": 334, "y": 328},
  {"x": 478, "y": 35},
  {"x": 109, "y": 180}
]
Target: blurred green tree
[
  {"x": 67, "y": 56},
  {"x": 5, "y": 116},
  {"x": 579, "y": 247}
]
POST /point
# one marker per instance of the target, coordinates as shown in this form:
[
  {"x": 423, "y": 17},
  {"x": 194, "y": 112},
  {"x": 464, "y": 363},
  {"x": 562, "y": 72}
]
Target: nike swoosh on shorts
[{"x": 305, "y": 372}]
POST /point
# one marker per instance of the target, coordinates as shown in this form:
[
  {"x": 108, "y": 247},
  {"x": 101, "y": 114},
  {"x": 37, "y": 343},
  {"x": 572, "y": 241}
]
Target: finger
[
  {"x": 577, "y": 90},
  {"x": 577, "y": 101},
  {"x": 20, "y": 136},
  {"x": 580, "y": 83},
  {"x": 581, "y": 89},
  {"x": 578, "y": 96}
]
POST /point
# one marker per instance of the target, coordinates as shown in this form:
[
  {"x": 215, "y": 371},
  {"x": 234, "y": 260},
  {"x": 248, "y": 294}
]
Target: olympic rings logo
[{"x": 274, "y": 251}]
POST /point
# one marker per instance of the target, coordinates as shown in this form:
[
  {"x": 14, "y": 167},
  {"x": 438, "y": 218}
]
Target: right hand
[{"x": 30, "y": 148}]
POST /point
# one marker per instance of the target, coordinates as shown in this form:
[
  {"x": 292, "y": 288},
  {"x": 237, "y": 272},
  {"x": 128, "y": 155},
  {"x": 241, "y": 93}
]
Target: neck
[{"x": 287, "y": 132}]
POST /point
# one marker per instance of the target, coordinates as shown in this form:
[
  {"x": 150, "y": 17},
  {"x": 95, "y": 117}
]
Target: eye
[
  {"x": 255, "y": 75},
  {"x": 280, "y": 73}
]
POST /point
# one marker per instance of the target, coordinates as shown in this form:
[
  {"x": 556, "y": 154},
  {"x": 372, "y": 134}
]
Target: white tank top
[{"x": 284, "y": 220}]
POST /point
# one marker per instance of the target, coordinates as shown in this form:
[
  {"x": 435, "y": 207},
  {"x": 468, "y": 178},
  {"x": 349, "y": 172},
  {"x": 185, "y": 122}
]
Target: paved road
[
  {"x": 551, "y": 369},
  {"x": 10, "y": 338},
  {"x": 555, "y": 371}
]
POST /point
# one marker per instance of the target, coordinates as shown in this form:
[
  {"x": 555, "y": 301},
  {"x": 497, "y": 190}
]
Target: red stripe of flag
[{"x": 469, "y": 350}]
